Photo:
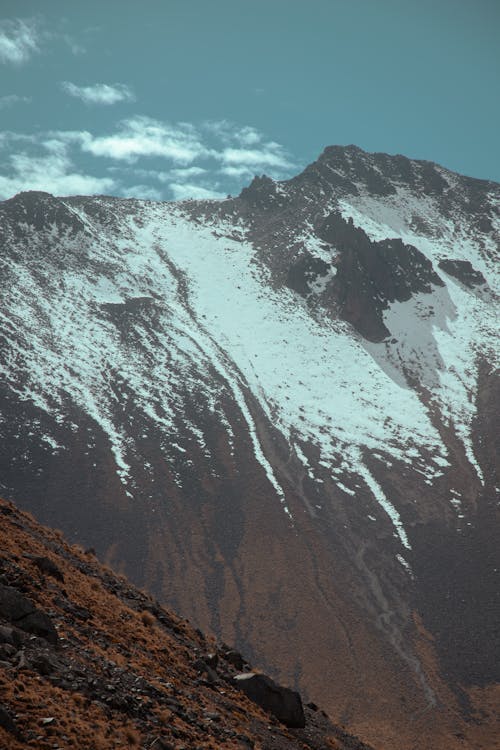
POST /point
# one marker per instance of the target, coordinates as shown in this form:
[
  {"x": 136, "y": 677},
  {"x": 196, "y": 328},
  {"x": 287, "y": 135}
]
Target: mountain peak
[{"x": 277, "y": 405}]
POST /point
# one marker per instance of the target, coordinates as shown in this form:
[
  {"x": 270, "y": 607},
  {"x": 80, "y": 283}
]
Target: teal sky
[{"x": 179, "y": 98}]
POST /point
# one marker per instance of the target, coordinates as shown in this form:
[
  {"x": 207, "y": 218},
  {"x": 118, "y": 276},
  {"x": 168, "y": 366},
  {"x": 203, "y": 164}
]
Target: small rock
[
  {"x": 211, "y": 660},
  {"x": 22, "y": 662},
  {"x": 6, "y": 651},
  {"x": 235, "y": 658},
  {"x": 245, "y": 741},
  {"x": 212, "y": 715},
  {"x": 161, "y": 744},
  {"x": 211, "y": 676},
  {"x": 6, "y": 635},
  {"x": 43, "y": 664},
  {"x": 7, "y": 722}
]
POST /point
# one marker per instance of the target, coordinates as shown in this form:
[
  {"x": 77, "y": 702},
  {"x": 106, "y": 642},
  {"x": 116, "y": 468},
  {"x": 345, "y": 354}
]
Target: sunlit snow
[{"x": 216, "y": 313}]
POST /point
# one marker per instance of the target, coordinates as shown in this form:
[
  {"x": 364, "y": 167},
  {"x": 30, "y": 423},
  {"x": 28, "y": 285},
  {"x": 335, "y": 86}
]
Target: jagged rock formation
[{"x": 277, "y": 413}]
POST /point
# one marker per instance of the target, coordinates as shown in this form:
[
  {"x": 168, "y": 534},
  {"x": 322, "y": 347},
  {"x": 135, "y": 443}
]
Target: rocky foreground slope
[
  {"x": 278, "y": 413},
  {"x": 89, "y": 661}
]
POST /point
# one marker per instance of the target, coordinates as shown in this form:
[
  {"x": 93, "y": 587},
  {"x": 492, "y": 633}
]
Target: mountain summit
[{"x": 277, "y": 413}]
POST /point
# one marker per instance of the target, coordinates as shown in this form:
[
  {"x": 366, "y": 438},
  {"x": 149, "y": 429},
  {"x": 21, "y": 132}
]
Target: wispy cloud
[
  {"x": 100, "y": 93},
  {"x": 185, "y": 173},
  {"x": 19, "y": 40},
  {"x": 146, "y": 137},
  {"x": 75, "y": 47},
  {"x": 186, "y": 190},
  {"x": 144, "y": 192},
  {"x": 149, "y": 158},
  {"x": 10, "y": 100},
  {"x": 237, "y": 150},
  {"x": 52, "y": 171},
  {"x": 228, "y": 132},
  {"x": 267, "y": 155},
  {"x": 244, "y": 150}
]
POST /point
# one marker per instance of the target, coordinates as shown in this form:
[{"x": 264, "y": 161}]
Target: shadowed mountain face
[{"x": 277, "y": 413}]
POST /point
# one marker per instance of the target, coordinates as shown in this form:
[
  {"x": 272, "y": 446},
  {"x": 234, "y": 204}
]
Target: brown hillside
[{"x": 88, "y": 661}]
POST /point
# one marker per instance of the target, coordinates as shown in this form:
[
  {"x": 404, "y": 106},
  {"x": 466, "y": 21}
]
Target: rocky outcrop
[
  {"x": 463, "y": 271},
  {"x": 370, "y": 275},
  {"x": 280, "y": 701},
  {"x": 304, "y": 272},
  {"x": 18, "y": 610}
]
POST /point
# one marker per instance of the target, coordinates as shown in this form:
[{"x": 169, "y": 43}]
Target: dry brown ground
[{"x": 123, "y": 673}]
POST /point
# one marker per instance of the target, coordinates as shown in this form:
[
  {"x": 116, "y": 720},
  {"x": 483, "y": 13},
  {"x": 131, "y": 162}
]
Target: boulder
[
  {"x": 6, "y": 635},
  {"x": 7, "y": 722},
  {"x": 47, "y": 566},
  {"x": 19, "y": 610},
  {"x": 234, "y": 658},
  {"x": 283, "y": 703}
]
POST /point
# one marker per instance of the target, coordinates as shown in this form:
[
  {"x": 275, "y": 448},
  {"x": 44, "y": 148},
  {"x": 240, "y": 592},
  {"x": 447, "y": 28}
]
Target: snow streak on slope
[
  {"x": 149, "y": 306},
  {"x": 439, "y": 338}
]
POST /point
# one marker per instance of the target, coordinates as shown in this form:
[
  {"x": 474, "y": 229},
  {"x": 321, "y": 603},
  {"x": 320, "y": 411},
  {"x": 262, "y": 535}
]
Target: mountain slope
[
  {"x": 111, "y": 668},
  {"x": 280, "y": 411}
]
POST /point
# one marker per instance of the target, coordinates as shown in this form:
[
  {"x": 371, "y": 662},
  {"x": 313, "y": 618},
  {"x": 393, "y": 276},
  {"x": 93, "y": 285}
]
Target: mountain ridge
[{"x": 204, "y": 364}]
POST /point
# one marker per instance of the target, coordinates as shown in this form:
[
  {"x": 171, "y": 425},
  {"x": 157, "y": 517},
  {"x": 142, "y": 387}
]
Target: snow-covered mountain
[{"x": 277, "y": 412}]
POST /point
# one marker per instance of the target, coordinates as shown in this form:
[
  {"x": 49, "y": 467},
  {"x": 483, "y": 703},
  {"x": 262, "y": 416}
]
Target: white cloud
[
  {"x": 238, "y": 173},
  {"x": 143, "y": 192},
  {"x": 185, "y": 173},
  {"x": 184, "y": 191},
  {"x": 248, "y": 136},
  {"x": 243, "y": 150},
  {"x": 229, "y": 133},
  {"x": 53, "y": 172},
  {"x": 269, "y": 155},
  {"x": 10, "y": 100},
  {"x": 19, "y": 40},
  {"x": 99, "y": 93},
  {"x": 144, "y": 136},
  {"x": 205, "y": 161}
]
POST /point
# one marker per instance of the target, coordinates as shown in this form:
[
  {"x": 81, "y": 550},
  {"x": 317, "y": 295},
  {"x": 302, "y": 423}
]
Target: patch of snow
[{"x": 221, "y": 329}]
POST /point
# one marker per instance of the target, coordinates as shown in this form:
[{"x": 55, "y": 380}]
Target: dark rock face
[
  {"x": 17, "y": 609},
  {"x": 304, "y": 272},
  {"x": 280, "y": 701},
  {"x": 261, "y": 192},
  {"x": 463, "y": 271},
  {"x": 370, "y": 275},
  {"x": 40, "y": 210}
]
